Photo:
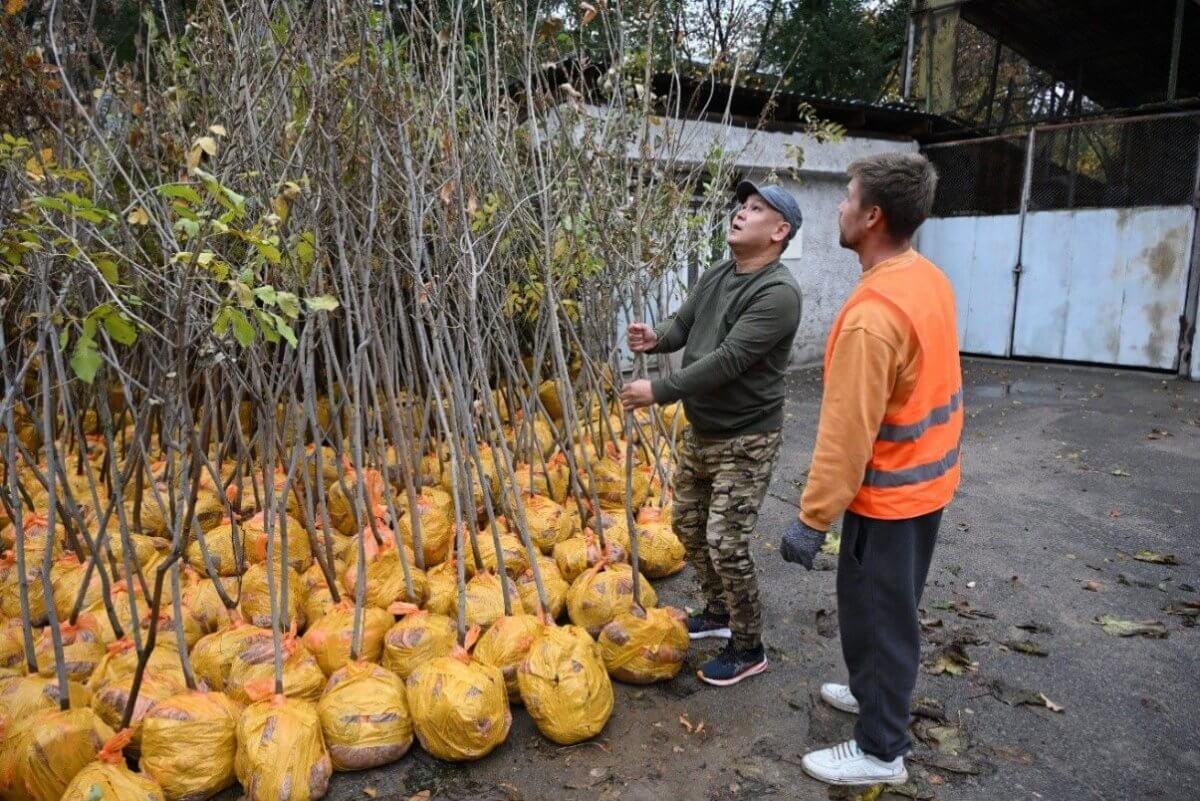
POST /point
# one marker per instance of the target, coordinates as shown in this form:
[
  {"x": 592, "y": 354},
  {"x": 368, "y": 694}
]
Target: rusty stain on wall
[{"x": 1165, "y": 258}]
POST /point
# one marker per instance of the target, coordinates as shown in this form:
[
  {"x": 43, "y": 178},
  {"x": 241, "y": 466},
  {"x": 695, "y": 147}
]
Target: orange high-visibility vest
[{"x": 914, "y": 466}]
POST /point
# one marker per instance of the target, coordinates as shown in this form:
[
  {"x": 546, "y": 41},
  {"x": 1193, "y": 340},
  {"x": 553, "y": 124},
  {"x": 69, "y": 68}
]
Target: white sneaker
[
  {"x": 839, "y": 696},
  {"x": 846, "y": 763}
]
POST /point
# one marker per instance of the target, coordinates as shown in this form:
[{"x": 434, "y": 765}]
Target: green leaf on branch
[
  {"x": 108, "y": 269},
  {"x": 289, "y": 304},
  {"x": 180, "y": 192},
  {"x": 266, "y": 294},
  {"x": 243, "y": 330},
  {"x": 120, "y": 329},
  {"x": 322, "y": 303},
  {"x": 86, "y": 360}
]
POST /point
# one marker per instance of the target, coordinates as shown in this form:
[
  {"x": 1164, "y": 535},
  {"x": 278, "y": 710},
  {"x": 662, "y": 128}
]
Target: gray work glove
[{"x": 801, "y": 543}]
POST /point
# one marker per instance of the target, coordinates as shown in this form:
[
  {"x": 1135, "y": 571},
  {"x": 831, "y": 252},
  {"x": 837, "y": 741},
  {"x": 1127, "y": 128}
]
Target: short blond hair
[{"x": 901, "y": 185}]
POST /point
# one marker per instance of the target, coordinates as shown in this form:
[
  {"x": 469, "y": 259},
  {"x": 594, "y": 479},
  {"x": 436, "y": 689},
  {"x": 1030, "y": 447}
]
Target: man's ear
[
  {"x": 781, "y": 232},
  {"x": 875, "y": 217}
]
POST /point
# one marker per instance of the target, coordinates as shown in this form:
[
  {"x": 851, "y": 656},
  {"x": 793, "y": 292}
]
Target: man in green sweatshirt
[{"x": 736, "y": 328}]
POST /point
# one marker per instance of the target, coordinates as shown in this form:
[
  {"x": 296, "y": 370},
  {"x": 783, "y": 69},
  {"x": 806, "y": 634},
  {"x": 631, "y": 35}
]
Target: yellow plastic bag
[
  {"x": 549, "y": 523},
  {"x": 10, "y": 589},
  {"x": 252, "y": 672},
  {"x": 505, "y": 645},
  {"x": 364, "y": 717},
  {"x": 442, "y": 589},
  {"x": 660, "y": 553},
  {"x": 459, "y": 706},
  {"x": 516, "y": 560},
  {"x": 555, "y": 585},
  {"x": 385, "y": 574},
  {"x": 254, "y": 530},
  {"x": 213, "y": 655},
  {"x": 608, "y": 481},
  {"x": 66, "y": 580},
  {"x": 256, "y": 601},
  {"x": 12, "y": 646},
  {"x": 575, "y": 555},
  {"x": 548, "y": 394},
  {"x": 329, "y": 638},
  {"x": 109, "y": 701},
  {"x": 156, "y": 519},
  {"x": 553, "y": 481},
  {"x": 49, "y": 749},
  {"x": 435, "y": 509},
  {"x": 418, "y": 637},
  {"x": 604, "y": 592},
  {"x": 564, "y": 685},
  {"x": 645, "y": 645},
  {"x": 220, "y": 544},
  {"x": 82, "y": 651},
  {"x": 121, "y": 658},
  {"x": 21, "y": 697},
  {"x": 281, "y": 753},
  {"x": 342, "y": 500},
  {"x": 189, "y": 742},
  {"x": 485, "y": 598},
  {"x": 108, "y": 778},
  {"x": 202, "y": 601}
]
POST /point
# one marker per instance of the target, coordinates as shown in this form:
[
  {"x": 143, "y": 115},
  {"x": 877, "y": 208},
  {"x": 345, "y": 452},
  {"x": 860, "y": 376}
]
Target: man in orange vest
[{"x": 887, "y": 456}]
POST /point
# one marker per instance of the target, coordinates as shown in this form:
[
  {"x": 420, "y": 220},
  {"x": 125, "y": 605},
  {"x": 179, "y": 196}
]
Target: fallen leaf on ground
[
  {"x": 1093, "y": 585},
  {"x": 1158, "y": 433},
  {"x": 687, "y": 724},
  {"x": 1126, "y": 581},
  {"x": 1122, "y": 473},
  {"x": 1015, "y": 755},
  {"x": 424, "y": 795},
  {"x": 370, "y": 792},
  {"x": 952, "y": 659},
  {"x": 1183, "y": 608},
  {"x": 1053, "y": 707},
  {"x": 948, "y": 739},
  {"x": 1011, "y": 694},
  {"x": 1034, "y": 627},
  {"x": 1156, "y": 558},
  {"x": 1026, "y": 647},
  {"x": 964, "y": 610},
  {"x": 929, "y": 708},
  {"x": 1119, "y": 627}
]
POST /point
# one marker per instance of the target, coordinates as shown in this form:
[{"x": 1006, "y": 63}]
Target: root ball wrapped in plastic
[
  {"x": 10, "y": 589},
  {"x": 556, "y": 589},
  {"x": 435, "y": 509},
  {"x": 66, "y": 580},
  {"x": 564, "y": 685},
  {"x": 109, "y": 779},
  {"x": 47, "y": 750},
  {"x": 549, "y": 523},
  {"x": 12, "y": 646},
  {"x": 643, "y": 646},
  {"x": 110, "y": 700},
  {"x": 385, "y": 573},
  {"x": 342, "y": 501},
  {"x": 604, "y": 592},
  {"x": 82, "y": 652},
  {"x": 485, "y": 597},
  {"x": 281, "y": 752},
  {"x": 418, "y": 637},
  {"x": 203, "y": 602},
  {"x": 36, "y": 526},
  {"x": 22, "y": 697},
  {"x": 252, "y": 671},
  {"x": 516, "y": 560},
  {"x": 660, "y": 552},
  {"x": 189, "y": 742},
  {"x": 156, "y": 518},
  {"x": 121, "y": 658},
  {"x": 552, "y": 481},
  {"x": 329, "y": 638},
  {"x": 364, "y": 717},
  {"x": 575, "y": 555},
  {"x": 219, "y": 546},
  {"x": 442, "y": 589},
  {"x": 459, "y": 706},
  {"x": 505, "y": 645},
  {"x": 608, "y": 481},
  {"x": 256, "y": 600},
  {"x": 213, "y": 655},
  {"x": 254, "y": 533}
]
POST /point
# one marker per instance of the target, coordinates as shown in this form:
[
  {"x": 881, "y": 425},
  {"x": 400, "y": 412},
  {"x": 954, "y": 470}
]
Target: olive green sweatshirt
[{"x": 736, "y": 331}]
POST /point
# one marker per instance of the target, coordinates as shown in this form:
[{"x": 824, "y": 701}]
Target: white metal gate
[{"x": 1074, "y": 241}]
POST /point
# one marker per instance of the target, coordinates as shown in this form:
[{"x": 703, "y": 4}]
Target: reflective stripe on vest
[
  {"x": 907, "y": 433},
  {"x": 911, "y": 475}
]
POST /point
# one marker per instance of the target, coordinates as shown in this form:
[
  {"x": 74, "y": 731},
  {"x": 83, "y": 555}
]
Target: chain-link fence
[
  {"x": 979, "y": 177},
  {"x": 1122, "y": 163},
  {"x": 1115, "y": 163}
]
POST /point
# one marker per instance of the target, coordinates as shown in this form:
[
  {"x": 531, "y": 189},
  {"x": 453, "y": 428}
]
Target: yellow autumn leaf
[
  {"x": 217, "y": 130},
  {"x": 207, "y": 144},
  {"x": 14, "y": 7},
  {"x": 589, "y": 14},
  {"x": 193, "y": 159},
  {"x": 280, "y": 205},
  {"x": 138, "y": 217}
]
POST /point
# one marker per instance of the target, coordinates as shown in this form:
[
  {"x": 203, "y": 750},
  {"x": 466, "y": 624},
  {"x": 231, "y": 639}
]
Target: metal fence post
[{"x": 1026, "y": 185}]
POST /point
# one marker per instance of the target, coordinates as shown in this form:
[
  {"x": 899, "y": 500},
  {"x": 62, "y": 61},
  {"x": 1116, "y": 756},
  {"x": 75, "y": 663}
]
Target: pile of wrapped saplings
[{"x": 292, "y": 611}]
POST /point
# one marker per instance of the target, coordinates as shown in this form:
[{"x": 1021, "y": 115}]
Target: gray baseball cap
[{"x": 777, "y": 198}]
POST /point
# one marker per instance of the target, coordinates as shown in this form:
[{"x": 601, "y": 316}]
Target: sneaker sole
[
  {"x": 900, "y": 778},
  {"x": 751, "y": 671},
  {"x": 711, "y": 634},
  {"x": 851, "y": 708}
]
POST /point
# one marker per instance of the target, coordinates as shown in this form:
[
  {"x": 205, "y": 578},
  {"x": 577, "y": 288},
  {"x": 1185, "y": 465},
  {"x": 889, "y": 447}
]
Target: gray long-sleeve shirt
[{"x": 736, "y": 331}]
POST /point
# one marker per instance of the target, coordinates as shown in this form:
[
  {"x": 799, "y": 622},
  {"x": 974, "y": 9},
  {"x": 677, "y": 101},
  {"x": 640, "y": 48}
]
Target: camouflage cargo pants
[{"x": 719, "y": 486}]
